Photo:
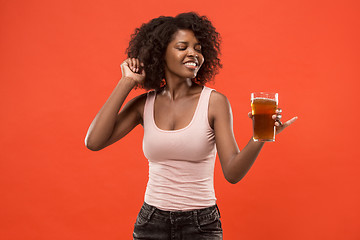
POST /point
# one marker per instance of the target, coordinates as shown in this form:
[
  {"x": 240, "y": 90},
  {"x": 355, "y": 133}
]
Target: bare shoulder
[
  {"x": 218, "y": 101},
  {"x": 219, "y": 106}
]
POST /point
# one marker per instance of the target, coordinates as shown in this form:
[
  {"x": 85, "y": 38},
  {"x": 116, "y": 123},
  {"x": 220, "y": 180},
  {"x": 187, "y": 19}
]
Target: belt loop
[
  {"x": 218, "y": 210},
  {"x": 172, "y": 217},
  {"x": 195, "y": 213},
  {"x": 151, "y": 212}
]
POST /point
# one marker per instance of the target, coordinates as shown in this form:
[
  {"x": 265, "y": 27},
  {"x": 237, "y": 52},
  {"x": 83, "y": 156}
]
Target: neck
[{"x": 175, "y": 89}]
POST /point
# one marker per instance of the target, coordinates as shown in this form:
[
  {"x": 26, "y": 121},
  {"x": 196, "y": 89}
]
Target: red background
[{"x": 60, "y": 61}]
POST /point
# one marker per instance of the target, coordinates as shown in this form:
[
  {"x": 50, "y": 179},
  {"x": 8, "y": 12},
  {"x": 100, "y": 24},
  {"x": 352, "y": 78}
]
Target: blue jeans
[{"x": 153, "y": 223}]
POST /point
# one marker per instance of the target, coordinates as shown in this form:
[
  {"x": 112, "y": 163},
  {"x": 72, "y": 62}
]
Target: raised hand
[{"x": 132, "y": 68}]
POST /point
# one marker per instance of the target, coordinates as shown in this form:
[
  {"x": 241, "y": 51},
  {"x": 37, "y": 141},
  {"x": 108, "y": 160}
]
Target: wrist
[{"x": 128, "y": 81}]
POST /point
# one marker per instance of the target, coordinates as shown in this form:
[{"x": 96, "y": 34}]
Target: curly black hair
[{"x": 149, "y": 43}]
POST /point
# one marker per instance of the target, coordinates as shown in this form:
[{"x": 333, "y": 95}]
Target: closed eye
[
  {"x": 198, "y": 47},
  {"x": 184, "y": 48}
]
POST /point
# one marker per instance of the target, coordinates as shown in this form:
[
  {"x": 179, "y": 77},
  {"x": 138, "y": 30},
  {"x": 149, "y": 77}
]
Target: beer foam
[{"x": 264, "y": 99}]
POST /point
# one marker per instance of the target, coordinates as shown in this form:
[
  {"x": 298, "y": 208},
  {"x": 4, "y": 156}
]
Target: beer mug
[{"x": 263, "y": 106}]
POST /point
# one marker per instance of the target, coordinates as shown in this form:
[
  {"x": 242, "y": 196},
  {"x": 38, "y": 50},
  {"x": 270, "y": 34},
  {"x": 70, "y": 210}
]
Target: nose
[{"x": 192, "y": 52}]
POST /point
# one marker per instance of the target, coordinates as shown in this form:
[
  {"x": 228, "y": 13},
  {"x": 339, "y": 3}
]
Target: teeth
[{"x": 190, "y": 64}]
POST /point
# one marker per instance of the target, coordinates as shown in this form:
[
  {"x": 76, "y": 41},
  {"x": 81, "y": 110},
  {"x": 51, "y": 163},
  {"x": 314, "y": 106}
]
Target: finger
[
  {"x": 129, "y": 63},
  {"x": 276, "y": 116},
  {"x": 137, "y": 64},
  {"x": 278, "y": 124},
  {"x": 278, "y": 111},
  {"x": 250, "y": 115},
  {"x": 141, "y": 68},
  {"x": 289, "y": 122},
  {"x": 124, "y": 64},
  {"x": 133, "y": 60}
]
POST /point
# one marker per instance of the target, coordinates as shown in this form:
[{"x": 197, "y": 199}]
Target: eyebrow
[{"x": 188, "y": 42}]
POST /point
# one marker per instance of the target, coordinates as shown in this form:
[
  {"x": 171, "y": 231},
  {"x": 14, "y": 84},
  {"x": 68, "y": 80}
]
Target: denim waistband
[{"x": 181, "y": 215}]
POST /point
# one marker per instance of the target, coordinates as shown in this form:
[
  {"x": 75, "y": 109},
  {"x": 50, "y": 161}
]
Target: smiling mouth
[{"x": 191, "y": 65}]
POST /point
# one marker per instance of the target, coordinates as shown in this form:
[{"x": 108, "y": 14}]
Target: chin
[
  {"x": 191, "y": 75},
  {"x": 188, "y": 76}
]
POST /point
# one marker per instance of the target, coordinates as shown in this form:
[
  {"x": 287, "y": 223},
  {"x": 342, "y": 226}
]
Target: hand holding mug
[{"x": 266, "y": 116}]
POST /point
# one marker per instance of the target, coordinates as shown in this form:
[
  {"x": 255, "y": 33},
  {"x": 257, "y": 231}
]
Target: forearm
[
  {"x": 103, "y": 124},
  {"x": 241, "y": 162}
]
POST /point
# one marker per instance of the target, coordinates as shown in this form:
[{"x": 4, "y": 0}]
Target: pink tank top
[{"x": 181, "y": 162}]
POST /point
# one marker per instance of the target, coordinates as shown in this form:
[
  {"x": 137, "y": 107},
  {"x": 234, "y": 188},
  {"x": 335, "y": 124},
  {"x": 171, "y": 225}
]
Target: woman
[{"x": 185, "y": 124}]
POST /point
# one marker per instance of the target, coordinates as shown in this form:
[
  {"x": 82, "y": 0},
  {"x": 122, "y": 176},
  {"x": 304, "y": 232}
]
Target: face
[{"x": 183, "y": 56}]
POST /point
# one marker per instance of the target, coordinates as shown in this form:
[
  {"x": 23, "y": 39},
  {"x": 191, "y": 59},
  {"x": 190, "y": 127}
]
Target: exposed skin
[{"x": 174, "y": 107}]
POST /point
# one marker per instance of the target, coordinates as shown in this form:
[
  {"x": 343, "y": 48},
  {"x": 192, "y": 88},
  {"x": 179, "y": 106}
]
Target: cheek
[
  {"x": 169, "y": 61},
  {"x": 202, "y": 60},
  {"x": 174, "y": 59}
]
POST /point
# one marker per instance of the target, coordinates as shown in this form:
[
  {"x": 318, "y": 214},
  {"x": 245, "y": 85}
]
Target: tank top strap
[
  {"x": 149, "y": 106},
  {"x": 206, "y": 95},
  {"x": 204, "y": 105}
]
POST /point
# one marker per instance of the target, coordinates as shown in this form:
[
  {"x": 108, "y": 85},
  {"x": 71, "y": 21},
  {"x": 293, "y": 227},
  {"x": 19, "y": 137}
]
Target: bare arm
[
  {"x": 235, "y": 163},
  {"x": 109, "y": 125}
]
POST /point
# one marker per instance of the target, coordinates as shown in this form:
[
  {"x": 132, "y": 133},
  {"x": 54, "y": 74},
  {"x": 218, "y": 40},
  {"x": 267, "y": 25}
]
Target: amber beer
[{"x": 263, "y": 106}]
